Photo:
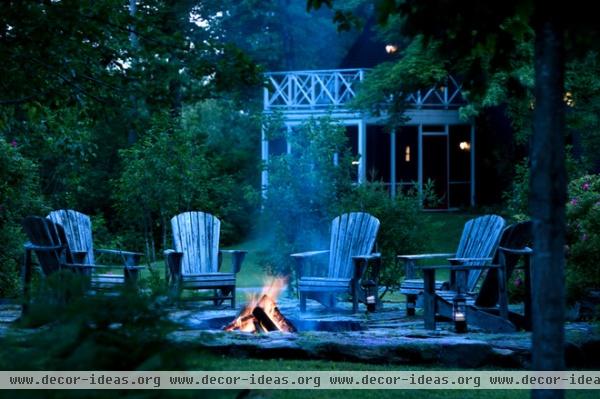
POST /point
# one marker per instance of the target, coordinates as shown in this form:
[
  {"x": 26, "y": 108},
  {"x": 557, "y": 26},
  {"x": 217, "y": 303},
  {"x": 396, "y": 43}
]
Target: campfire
[{"x": 261, "y": 313}]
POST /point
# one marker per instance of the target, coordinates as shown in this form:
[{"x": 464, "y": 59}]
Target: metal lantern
[
  {"x": 371, "y": 295},
  {"x": 459, "y": 313}
]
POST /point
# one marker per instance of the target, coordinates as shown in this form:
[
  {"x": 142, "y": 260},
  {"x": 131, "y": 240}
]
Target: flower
[
  {"x": 584, "y": 237},
  {"x": 14, "y": 143},
  {"x": 585, "y": 186},
  {"x": 574, "y": 201},
  {"x": 518, "y": 282}
]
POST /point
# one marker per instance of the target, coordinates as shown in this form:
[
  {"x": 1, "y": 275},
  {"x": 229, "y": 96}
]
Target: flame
[{"x": 266, "y": 301}]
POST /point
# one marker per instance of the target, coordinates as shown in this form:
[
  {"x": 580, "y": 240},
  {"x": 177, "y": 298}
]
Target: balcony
[{"x": 333, "y": 90}]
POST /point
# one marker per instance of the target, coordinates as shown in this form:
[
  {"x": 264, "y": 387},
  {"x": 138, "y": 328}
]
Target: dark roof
[{"x": 367, "y": 51}]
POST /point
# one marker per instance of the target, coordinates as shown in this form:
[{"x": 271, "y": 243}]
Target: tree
[{"x": 478, "y": 38}]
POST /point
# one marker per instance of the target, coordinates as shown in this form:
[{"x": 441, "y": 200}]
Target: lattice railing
[{"x": 333, "y": 89}]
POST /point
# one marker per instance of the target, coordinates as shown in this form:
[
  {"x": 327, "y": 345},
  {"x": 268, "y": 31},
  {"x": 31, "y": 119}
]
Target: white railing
[{"x": 335, "y": 88}]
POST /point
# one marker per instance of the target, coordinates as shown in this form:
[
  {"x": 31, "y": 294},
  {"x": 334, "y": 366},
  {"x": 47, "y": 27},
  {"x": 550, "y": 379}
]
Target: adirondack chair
[
  {"x": 195, "y": 263},
  {"x": 353, "y": 237},
  {"x": 49, "y": 242},
  {"x": 487, "y": 308},
  {"x": 478, "y": 243},
  {"x": 78, "y": 230}
]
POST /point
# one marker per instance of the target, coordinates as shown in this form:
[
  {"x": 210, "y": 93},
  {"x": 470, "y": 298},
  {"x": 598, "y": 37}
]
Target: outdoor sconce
[
  {"x": 391, "y": 48},
  {"x": 568, "y": 99},
  {"x": 355, "y": 163},
  {"x": 459, "y": 313},
  {"x": 407, "y": 154},
  {"x": 465, "y": 146},
  {"x": 371, "y": 295}
]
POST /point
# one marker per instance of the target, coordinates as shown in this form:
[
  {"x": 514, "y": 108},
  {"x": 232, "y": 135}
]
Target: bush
[
  {"x": 402, "y": 226},
  {"x": 307, "y": 189},
  {"x": 19, "y": 197},
  {"x": 166, "y": 172},
  {"x": 583, "y": 236}
]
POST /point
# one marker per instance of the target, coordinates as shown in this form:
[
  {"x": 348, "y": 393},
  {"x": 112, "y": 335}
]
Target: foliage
[
  {"x": 307, "y": 189},
  {"x": 583, "y": 236},
  {"x": 167, "y": 172},
  {"x": 385, "y": 87},
  {"x": 304, "y": 187},
  {"x": 402, "y": 225},
  {"x": 281, "y": 34},
  {"x": 19, "y": 197}
]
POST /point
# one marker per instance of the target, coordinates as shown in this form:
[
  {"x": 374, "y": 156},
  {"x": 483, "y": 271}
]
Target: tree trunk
[
  {"x": 548, "y": 196},
  {"x": 133, "y": 41}
]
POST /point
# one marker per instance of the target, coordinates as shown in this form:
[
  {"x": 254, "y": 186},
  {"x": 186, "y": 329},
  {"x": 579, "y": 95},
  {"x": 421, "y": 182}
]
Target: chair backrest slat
[
  {"x": 196, "y": 234},
  {"x": 45, "y": 233},
  {"x": 480, "y": 239},
  {"x": 515, "y": 236},
  {"x": 78, "y": 230},
  {"x": 352, "y": 234}
]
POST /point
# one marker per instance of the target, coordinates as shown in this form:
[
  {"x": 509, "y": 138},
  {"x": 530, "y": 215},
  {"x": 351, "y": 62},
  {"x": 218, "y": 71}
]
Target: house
[{"x": 435, "y": 144}]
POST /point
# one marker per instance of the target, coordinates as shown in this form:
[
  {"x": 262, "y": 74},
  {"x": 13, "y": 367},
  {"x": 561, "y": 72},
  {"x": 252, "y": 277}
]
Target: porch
[{"x": 435, "y": 144}]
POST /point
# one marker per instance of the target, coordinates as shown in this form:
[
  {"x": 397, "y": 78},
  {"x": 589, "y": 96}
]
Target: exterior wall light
[
  {"x": 407, "y": 154},
  {"x": 465, "y": 146},
  {"x": 391, "y": 48}
]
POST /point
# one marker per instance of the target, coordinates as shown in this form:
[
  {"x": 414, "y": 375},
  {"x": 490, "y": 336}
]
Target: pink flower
[
  {"x": 586, "y": 186},
  {"x": 14, "y": 143},
  {"x": 574, "y": 201},
  {"x": 518, "y": 282}
]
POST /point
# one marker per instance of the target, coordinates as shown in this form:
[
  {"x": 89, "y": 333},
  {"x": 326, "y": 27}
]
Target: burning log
[{"x": 261, "y": 316}]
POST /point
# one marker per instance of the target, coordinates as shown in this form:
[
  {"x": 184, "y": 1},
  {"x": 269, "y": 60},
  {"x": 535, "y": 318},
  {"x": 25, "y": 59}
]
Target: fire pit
[{"x": 262, "y": 314}]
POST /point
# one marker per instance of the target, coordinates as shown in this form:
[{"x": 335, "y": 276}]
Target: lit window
[{"x": 407, "y": 154}]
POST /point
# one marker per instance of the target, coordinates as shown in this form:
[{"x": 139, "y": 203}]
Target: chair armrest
[
  {"x": 460, "y": 261},
  {"x": 237, "y": 258},
  {"x": 129, "y": 258},
  {"x": 117, "y": 252},
  {"x": 42, "y": 248},
  {"x": 513, "y": 251},
  {"x": 301, "y": 258},
  {"x": 460, "y": 267},
  {"x": 308, "y": 254},
  {"x": 425, "y": 256},
  {"x": 410, "y": 262}
]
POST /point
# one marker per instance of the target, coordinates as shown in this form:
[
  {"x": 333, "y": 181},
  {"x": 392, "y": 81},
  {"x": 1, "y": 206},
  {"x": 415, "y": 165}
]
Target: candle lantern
[
  {"x": 459, "y": 313},
  {"x": 371, "y": 295}
]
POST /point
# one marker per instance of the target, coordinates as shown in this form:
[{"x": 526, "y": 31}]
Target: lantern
[
  {"x": 459, "y": 313},
  {"x": 371, "y": 295}
]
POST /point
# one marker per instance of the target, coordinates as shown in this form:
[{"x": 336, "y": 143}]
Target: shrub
[
  {"x": 19, "y": 197},
  {"x": 167, "y": 172},
  {"x": 304, "y": 189},
  {"x": 402, "y": 226},
  {"x": 583, "y": 236},
  {"x": 307, "y": 189}
]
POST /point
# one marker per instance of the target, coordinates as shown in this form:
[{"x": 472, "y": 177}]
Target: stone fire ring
[{"x": 387, "y": 337}]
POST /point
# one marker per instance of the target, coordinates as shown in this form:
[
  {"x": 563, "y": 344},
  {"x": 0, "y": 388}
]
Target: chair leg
[
  {"x": 354, "y": 299},
  {"x": 302, "y": 301},
  {"x": 411, "y": 304}
]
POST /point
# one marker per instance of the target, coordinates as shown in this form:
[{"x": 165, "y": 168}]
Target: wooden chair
[
  {"x": 78, "y": 231},
  {"x": 488, "y": 307},
  {"x": 49, "y": 242},
  {"x": 353, "y": 237},
  {"x": 195, "y": 263},
  {"x": 478, "y": 244}
]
